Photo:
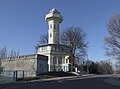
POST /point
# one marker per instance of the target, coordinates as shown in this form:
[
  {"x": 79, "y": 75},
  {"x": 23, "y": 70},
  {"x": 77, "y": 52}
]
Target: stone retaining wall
[{"x": 32, "y": 65}]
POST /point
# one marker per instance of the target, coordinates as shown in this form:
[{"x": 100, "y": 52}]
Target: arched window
[
  {"x": 54, "y": 60},
  {"x": 67, "y": 61},
  {"x": 60, "y": 60}
]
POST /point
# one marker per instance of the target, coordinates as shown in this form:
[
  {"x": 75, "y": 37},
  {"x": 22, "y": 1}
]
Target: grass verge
[
  {"x": 50, "y": 75},
  {"x": 44, "y": 76}
]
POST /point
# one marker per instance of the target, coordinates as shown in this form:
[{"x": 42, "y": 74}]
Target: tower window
[
  {"x": 50, "y": 34},
  {"x": 50, "y": 25},
  {"x": 54, "y": 26},
  {"x": 57, "y": 25}
]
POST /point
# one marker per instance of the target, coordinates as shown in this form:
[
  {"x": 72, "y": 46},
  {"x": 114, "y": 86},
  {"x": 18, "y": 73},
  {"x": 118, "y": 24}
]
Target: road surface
[{"x": 76, "y": 83}]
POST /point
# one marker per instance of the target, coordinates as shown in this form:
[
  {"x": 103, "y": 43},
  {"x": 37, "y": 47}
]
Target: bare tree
[
  {"x": 3, "y": 53},
  {"x": 99, "y": 67},
  {"x": 104, "y": 67},
  {"x": 75, "y": 38},
  {"x": 43, "y": 39},
  {"x": 13, "y": 53},
  {"x": 113, "y": 40}
]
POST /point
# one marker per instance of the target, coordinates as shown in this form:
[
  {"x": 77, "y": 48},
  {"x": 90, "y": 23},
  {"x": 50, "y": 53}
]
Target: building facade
[{"x": 58, "y": 54}]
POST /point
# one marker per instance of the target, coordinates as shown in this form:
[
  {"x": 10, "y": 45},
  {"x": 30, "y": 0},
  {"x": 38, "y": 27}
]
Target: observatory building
[{"x": 58, "y": 54}]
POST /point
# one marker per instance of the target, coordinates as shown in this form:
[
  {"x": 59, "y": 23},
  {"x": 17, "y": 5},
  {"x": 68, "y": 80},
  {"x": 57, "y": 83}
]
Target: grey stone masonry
[{"x": 32, "y": 65}]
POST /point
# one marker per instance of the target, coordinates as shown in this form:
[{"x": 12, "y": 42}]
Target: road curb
[{"x": 51, "y": 79}]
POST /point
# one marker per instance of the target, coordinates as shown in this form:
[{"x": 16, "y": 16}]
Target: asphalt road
[{"x": 87, "y": 83}]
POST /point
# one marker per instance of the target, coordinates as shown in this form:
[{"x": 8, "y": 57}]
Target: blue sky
[{"x": 22, "y": 22}]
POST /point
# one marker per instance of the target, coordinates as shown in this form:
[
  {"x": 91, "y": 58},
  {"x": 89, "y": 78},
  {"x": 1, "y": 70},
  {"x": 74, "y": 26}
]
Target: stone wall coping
[{"x": 24, "y": 57}]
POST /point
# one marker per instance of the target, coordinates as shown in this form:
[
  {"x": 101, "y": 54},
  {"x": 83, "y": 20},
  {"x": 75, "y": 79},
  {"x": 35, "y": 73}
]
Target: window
[
  {"x": 54, "y": 26},
  {"x": 50, "y": 25},
  {"x": 66, "y": 60},
  {"x": 60, "y": 60},
  {"x": 53, "y": 48},
  {"x": 54, "y": 60},
  {"x": 57, "y": 26},
  {"x": 50, "y": 34}
]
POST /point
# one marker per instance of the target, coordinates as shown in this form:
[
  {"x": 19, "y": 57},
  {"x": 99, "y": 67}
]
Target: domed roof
[
  {"x": 54, "y": 11},
  {"x": 55, "y": 15}
]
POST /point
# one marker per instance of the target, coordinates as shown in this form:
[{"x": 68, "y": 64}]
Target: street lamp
[{"x": 88, "y": 59}]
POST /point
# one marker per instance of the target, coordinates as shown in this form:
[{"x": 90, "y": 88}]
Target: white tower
[{"x": 53, "y": 19}]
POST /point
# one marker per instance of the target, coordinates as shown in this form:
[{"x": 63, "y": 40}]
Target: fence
[{"x": 11, "y": 76}]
